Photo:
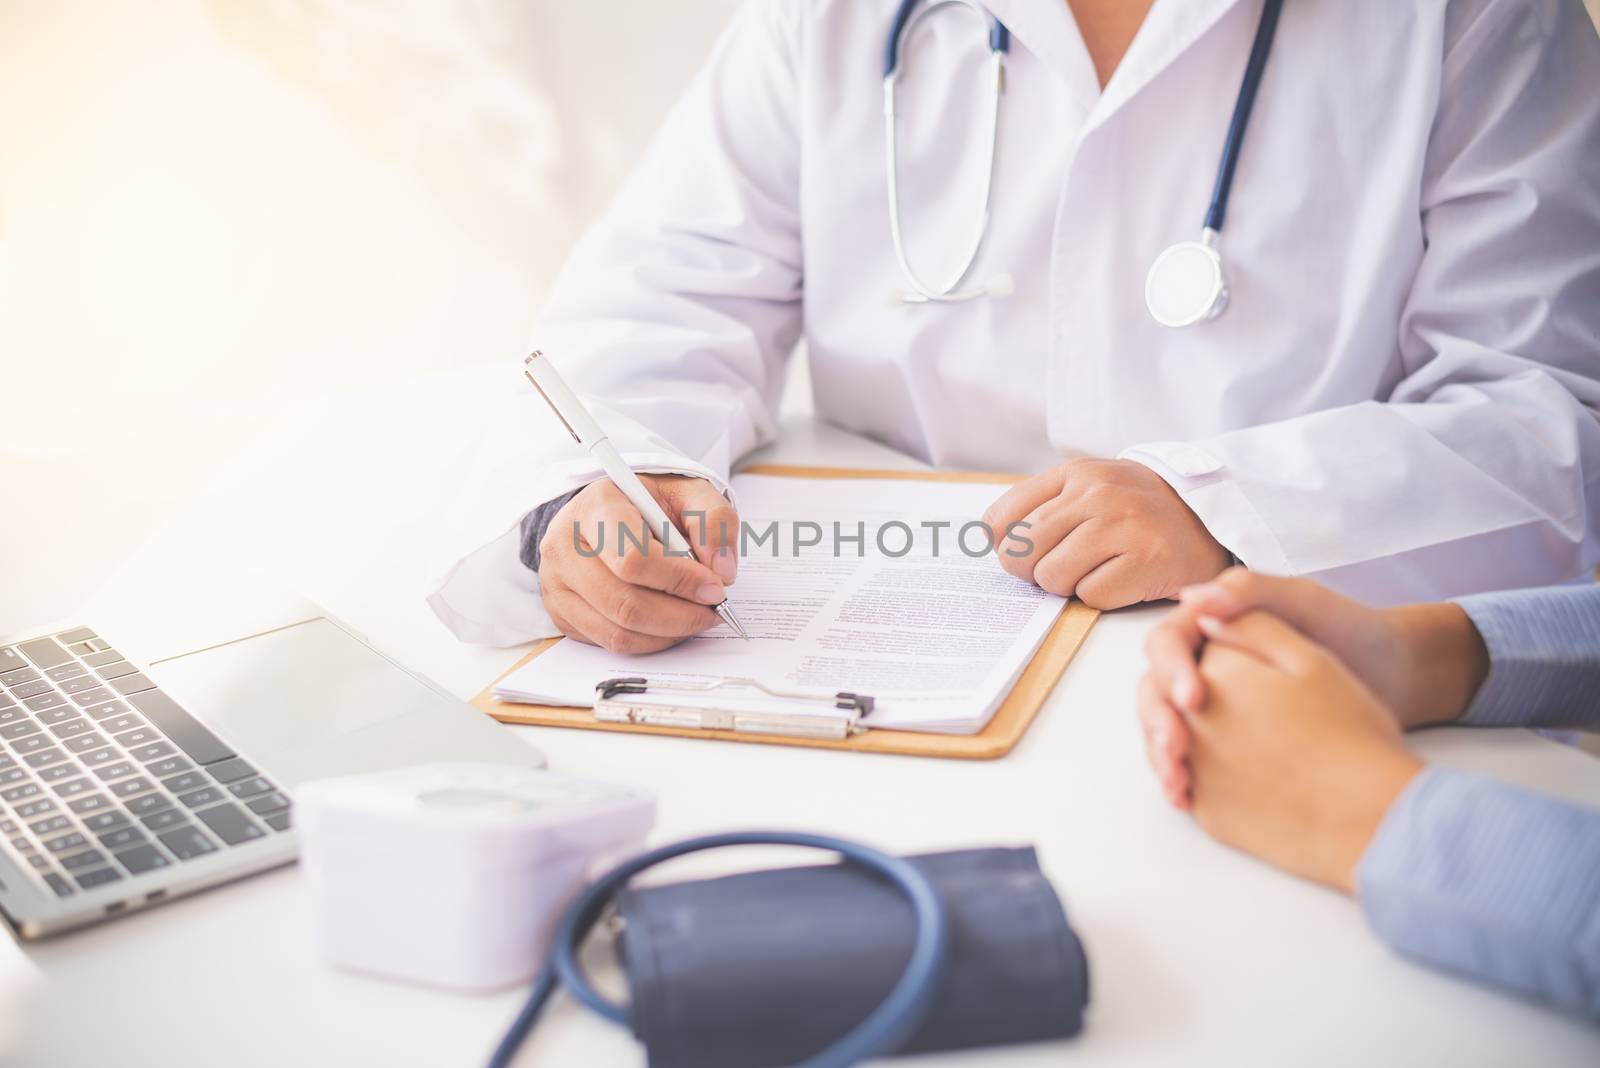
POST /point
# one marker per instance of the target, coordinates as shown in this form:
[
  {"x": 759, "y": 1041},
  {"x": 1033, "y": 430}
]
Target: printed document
[{"x": 884, "y": 587}]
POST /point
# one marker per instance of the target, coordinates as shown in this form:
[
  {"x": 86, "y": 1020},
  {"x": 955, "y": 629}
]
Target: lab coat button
[{"x": 1191, "y": 461}]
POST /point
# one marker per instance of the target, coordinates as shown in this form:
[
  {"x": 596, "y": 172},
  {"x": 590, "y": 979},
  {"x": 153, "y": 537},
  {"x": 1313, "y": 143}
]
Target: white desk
[{"x": 1197, "y": 955}]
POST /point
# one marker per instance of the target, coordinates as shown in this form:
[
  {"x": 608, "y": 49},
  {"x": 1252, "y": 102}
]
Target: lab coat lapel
[
  {"x": 1047, "y": 30},
  {"x": 1170, "y": 28}
]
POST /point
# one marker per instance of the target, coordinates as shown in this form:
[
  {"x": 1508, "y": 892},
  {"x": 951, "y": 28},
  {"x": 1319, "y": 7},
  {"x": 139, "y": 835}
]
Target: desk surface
[{"x": 1197, "y": 954}]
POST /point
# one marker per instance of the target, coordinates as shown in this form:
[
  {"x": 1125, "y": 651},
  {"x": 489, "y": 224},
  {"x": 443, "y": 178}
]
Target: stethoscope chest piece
[{"x": 1185, "y": 284}]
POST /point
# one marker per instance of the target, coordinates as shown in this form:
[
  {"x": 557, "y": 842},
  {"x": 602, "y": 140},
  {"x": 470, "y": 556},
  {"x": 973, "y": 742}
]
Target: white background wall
[{"x": 212, "y": 211}]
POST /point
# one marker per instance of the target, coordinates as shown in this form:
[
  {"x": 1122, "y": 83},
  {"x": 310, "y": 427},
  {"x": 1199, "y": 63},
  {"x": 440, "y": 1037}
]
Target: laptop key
[
  {"x": 104, "y": 821},
  {"x": 45, "y": 700},
  {"x": 57, "y": 715},
  {"x": 98, "y": 758},
  {"x": 129, "y": 685},
  {"x": 10, "y": 658},
  {"x": 24, "y": 690},
  {"x": 116, "y": 670},
  {"x": 21, "y": 793},
  {"x": 93, "y": 803},
  {"x": 22, "y": 845},
  {"x": 39, "y": 860},
  {"x": 50, "y": 825},
  {"x": 75, "y": 635},
  {"x": 73, "y": 788},
  {"x": 58, "y": 884},
  {"x": 278, "y": 821},
  {"x": 132, "y": 787},
  {"x": 270, "y": 803},
  {"x": 71, "y": 727},
  {"x": 161, "y": 821},
  {"x": 97, "y": 696},
  {"x": 82, "y": 743},
  {"x": 110, "y": 656},
  {"x": 66, "y": 671},
  {"x": 115, "y": 771},
  {"x": 79, "y": 684},
  {"x": 170, "y": 766},
  {"x": 188, "y": 733},
  {"x": 54, "y": 773},
  {"x": 86, "y": 859},
  {"x": 136, "y": 737},
  {"x": 250, "y": 787},
  {"x": 231, "y": 770},
  {"x": 66, "y": 843},
  {"x": 12, "y": 775},
  {"x": 142, "y": 859},
  {"x": 91, "y": 879},
  {"x": 117, "y": 724},
  {"x": 189, "y": 780},
  {"x": 44, "y": 653},
  {"x": 187, "y": 843},
  {"x": 20, "y": 730},
  {"x": 109, "y": 708},
  {"x": 12, "y": 713},
  {"x": 197, "y": 798},
  {"x": 43, "y": 757},
  {"x": 143, "y": 806},
  {"x": 229, "y": 823},
  {"x": 31, "y": 744},
  {"x": 35, "y": 808},
  {"x": 122, "y": 837},
  {"x": 152, "y": 751}
]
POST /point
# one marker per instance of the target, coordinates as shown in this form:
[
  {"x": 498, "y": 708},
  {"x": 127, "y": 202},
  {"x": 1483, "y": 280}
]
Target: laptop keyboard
[{"x": 104, "y": 776}]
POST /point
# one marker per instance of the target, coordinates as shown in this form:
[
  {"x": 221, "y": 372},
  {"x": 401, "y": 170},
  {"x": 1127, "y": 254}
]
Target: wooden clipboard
[{"x": 996, "y": 739}]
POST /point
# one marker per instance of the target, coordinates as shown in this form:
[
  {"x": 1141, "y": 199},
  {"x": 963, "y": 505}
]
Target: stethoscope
[{"x": 1186, "y": 283}]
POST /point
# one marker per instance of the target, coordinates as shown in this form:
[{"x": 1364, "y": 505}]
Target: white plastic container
[{"x": 455, "y": 875}]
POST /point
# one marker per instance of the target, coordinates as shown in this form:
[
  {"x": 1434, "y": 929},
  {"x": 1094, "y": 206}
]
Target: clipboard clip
[{"x": 611, "y": 705}]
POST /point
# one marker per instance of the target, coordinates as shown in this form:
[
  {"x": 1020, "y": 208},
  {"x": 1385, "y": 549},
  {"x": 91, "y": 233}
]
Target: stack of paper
[{"x": 914, "y": 611}]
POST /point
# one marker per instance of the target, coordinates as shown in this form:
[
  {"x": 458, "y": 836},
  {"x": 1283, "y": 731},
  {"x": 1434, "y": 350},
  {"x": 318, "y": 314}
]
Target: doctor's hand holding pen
[
  {"x": 1110, "y": 532},
  {"x": 638, "y": 600}
]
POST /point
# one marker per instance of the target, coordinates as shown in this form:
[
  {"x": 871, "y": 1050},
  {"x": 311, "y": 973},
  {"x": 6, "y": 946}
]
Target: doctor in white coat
[{"x": 1399, "y": 398}]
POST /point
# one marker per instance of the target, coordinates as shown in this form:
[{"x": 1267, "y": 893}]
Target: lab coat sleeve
[
  {"x": 1481, "y": 469},
  {"x": 672, "y": 319}
]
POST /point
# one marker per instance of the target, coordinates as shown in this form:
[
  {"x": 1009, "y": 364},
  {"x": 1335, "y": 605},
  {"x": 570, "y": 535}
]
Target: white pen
[{"x": 587, "y": 433}]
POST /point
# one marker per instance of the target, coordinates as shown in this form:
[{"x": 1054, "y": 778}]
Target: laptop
[{"x": 125, "y": 783}]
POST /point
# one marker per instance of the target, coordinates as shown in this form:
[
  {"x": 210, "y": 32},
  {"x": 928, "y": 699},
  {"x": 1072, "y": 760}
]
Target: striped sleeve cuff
[
  {"x": 1498, "y": 883},
  {"x": 1544, "y": 657}
]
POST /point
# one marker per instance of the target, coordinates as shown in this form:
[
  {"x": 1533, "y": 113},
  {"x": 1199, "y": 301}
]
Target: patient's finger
[
  {"x": 1166, "y": 741},
  {"x": 1263, "y": 636},
  {"x": 1172, "y": 652}
]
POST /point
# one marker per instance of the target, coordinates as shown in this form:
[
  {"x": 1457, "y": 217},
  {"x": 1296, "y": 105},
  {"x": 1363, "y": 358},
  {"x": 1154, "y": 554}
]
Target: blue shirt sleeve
[
  {"x": 1544, "y": 657},
  {"x": 1491, "y": 881}
]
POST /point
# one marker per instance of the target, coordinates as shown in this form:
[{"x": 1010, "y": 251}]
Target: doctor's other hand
[
  {"x": 1423, "y": 662},
  {"x": 600, "y": 587},
  {"x": 1294, "y": 759},
  {"x": 1111, "y": 532}
]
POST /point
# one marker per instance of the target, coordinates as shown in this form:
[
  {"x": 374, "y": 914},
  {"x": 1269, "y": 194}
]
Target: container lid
[{"x": 489, "y": 815}]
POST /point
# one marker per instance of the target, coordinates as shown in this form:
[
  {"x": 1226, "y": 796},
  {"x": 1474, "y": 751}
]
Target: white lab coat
[{"x": 1400, "y": 399}]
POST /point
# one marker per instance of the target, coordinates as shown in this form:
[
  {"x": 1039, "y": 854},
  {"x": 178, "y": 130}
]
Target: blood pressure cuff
[{"x": 769, "y": 967}]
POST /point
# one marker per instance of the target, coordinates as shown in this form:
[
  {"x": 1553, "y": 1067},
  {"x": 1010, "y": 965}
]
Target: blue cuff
[
  {"x": 1491, "y": 881},
  {"x": 1544, "y": 657}
]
